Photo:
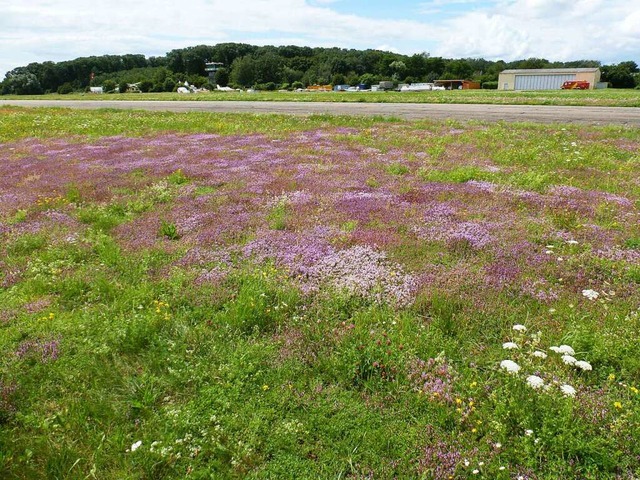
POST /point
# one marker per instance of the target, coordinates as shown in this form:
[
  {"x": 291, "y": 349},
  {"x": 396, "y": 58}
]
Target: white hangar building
[{"x": 546, "y": 78}]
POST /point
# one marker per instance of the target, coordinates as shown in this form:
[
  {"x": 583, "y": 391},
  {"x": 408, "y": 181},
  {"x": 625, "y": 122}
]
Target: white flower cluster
[
  {"x": 536, "y": 382},
  {"x": 568, "y": 357},
  {"x": 590, "y": 294}
]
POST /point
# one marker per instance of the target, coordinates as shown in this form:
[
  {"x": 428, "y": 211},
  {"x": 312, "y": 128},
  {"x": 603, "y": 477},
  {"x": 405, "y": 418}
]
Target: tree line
[{"x": 275, "y": 67}]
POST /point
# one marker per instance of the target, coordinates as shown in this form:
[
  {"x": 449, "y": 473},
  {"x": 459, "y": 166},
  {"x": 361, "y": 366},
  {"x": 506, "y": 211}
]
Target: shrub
[
  {"x": 489, "y": 85},
  {"x": 269, "y": 86},
  {"x": 65, "y": 89},
  {"x": 169, "y": 85},
  {"x": 109, "y": 86},
  {"x": 222, "y": 77},
  {"x": 145, "y": 86}
]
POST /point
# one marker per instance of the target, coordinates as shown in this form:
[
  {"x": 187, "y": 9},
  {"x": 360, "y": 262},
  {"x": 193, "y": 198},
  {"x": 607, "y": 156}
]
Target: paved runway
[{"x": 410, "y": 111}]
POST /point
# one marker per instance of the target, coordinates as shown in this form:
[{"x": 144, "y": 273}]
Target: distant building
[
  {"x": 546, "y": 78},
  {"x": 457, "y": 84},
  {"x": 211, "y": 68}
]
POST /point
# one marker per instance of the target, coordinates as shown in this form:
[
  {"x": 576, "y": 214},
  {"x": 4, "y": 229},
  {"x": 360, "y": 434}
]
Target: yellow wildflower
[{"x": 617, "y": 404}]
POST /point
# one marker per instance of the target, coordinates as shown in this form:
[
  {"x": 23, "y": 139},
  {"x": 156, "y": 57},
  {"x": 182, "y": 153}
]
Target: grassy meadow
[
  {"x": 235, "y": 296},
  {"x": 594, "y": 98}
]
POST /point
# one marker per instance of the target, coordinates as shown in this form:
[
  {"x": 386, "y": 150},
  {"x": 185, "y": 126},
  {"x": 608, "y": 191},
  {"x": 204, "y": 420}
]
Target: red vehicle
[{"x": 575, "y": 85}]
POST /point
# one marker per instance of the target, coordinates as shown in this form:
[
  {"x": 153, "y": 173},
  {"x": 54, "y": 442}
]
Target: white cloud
[
  {"x": 553, "y": 29},
  {"x": 40, "y": 30}
]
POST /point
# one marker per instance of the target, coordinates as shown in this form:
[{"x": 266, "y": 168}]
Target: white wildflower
[
  {"x": 535, "y": 381},
  {"x": 136, "y": 445},
  {"x": 466, "y": 463},
  {"x": 510, "y": 366},
  {"x": 528, "y": 433},
  {"x": 568, "y": 390},
  {"x": 571, "y": 242},
  {"x": 476, "y": 471},
  {"x": 501, "y": 468},
  {"x": 519, "y": 328},
  {"x": 590, "y": 294},
  {"x": 509, "y": 346},
  {"x": 568, "y": 359},
  {"x": 498, "y": 445},
  {"x": 586, "y": 366},
  {"x": 539, "y": 354},
  {"x": 564, "y": 349}
]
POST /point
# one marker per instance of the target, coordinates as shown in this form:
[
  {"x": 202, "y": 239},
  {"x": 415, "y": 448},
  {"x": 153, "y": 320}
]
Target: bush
[
  {"x": 145, "y": 86},
  {"x": 123, "y": 87},
  {"x": 169, "y": 85},
  {"x": 109, "y": 86},
  {"x": 222, "y": 77},
  {"x": 490, "y": 85},
  {"x": 297, "y": 85},
  {"x": 269, "y": 86},
  {"x": 65, "y": 89}
]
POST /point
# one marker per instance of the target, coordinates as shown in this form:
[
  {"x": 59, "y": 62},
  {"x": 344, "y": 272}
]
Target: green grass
[
  {"x": 103, "y": 345},
  {"x": 606, "y": 97}
]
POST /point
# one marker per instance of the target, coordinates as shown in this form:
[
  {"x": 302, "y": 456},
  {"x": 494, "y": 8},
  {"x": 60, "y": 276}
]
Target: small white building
[{"x": 546, "y": 78}]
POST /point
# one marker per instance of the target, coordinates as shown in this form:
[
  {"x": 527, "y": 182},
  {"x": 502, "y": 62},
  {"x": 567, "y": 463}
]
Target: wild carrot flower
[
  {"x": 569, "y": 360},
  {"x": 510, "y": 366},
  {"x": 590, "y": 294},
  {"x": 136, "y": 445},
  {"x": 586, "y": 366},
  {"x": 509, "y": 346},
  {"x": 564, "y": 349},
  {"x": 539, "y": 354},
  {"x": 535, "y": 382},
  {"x": 568, "y": 390},
  {"x": 519, "y": 328}
]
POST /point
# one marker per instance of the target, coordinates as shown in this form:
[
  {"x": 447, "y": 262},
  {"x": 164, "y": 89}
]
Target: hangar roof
[{"x": 539, "y": 71}]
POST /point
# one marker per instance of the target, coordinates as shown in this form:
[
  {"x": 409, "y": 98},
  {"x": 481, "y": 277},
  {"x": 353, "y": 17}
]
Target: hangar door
[{"x": 542, "y": 82}]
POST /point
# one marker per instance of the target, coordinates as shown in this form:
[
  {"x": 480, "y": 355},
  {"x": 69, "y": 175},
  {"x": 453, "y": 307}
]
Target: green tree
[
  {"x": 169, "y": 85},
  {"x": 621, "y": 75},
  {"x": 243, "y": 71},
  {"x": 65, "y": 89},
  {"x": 398, "y": 68},
  {"x": 22, "y": 82},
  {"x": 109, "y": 86},
  {"x": 145, "y": 85},
  {"x": 222, "y": 77},
  {"x": 267, "y": 68},
  {"x": 369, "y": 79}
]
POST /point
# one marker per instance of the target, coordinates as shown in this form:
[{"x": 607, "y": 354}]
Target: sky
[{"x": 562, "y": 30}]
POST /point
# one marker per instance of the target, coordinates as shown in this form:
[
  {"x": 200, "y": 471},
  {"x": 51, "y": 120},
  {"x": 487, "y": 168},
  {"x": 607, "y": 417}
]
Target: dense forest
[{"x": 270, "y": 68}]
